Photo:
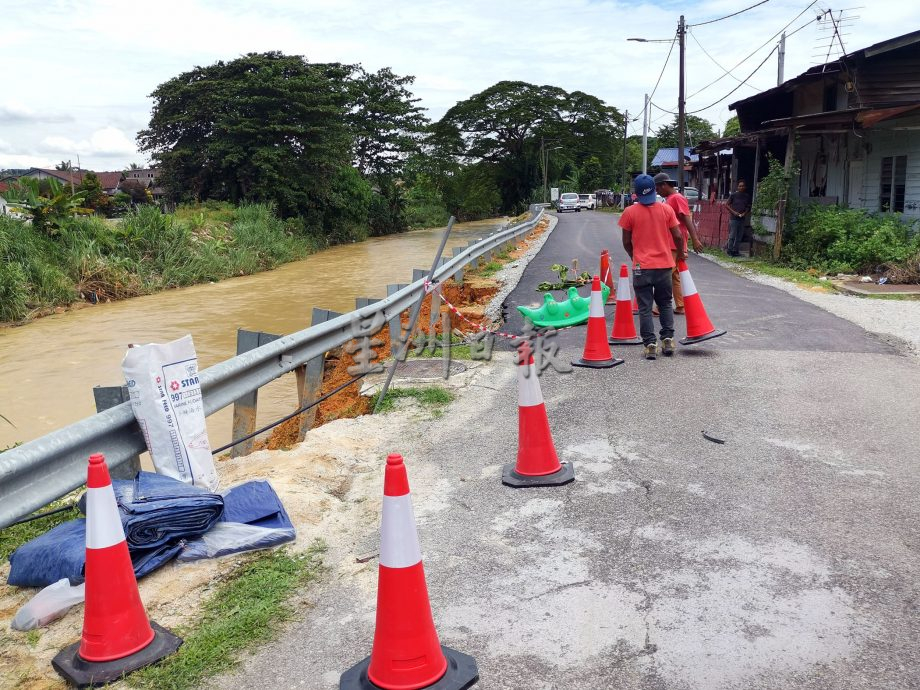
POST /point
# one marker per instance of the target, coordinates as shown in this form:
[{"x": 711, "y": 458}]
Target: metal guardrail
[{"x": 40, "y": 471}]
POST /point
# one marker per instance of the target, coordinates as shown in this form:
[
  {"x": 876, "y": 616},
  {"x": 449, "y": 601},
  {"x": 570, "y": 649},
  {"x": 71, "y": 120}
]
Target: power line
[
  {"x": 714, "y": 61},
  {"x": 729, "y": 16},
  {"x": 758, "y": 49}
]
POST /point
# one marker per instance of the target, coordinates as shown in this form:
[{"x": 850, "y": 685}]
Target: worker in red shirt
[
  {"x": 667, "y": 188},
  {"x": 649, "y": 231}
]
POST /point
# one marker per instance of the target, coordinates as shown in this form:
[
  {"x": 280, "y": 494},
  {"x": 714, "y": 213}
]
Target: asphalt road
[{"x": 787, "y": 557}]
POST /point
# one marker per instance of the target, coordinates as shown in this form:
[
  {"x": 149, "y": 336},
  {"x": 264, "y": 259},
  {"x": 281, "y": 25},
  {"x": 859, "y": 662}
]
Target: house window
[
  {"x": 894, "y": 174},
  {"x": 830, "y": 97}
]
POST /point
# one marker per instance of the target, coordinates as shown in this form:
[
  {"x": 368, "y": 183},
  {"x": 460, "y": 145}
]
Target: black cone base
[
  {"x": 89, "y": 674},
  {"x": 596, "y": 363},
  {"x": 629, "y": 341},
  {"x": 461, "y": 673},
  {"x": 562, "y": 476},
  {"x": 700, "y": 338}
]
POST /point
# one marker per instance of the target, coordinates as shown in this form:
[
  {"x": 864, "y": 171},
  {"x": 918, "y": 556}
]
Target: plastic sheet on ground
[{"x": 254, "y": 518}]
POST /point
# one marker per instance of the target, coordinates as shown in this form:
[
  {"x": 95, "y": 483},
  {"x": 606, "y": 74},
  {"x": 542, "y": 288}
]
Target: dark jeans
[
  {"x": 654, "y": 284},
  {"x": 735, "y": 234}
]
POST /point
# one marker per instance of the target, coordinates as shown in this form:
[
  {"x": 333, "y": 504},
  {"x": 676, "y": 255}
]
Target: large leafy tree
[
  {"x": 262, "y": 127},
  {"x": 732, "y": 127},
  {"x": 697, "y": 130},
  {"x": 385, "y": 121},
  {"x": 509, "y": 123}
]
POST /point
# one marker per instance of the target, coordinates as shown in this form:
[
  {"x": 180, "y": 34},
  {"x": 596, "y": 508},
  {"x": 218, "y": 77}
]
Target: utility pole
[
  {"x": 782, "y": 59},
  {"x": 543, "y": 163},
  {"x": 681, "y": 115},
  {"x": 645, "y": 120},
  {"x": 625, "y": 131}
]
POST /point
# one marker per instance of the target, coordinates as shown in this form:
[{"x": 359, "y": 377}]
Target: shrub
[{"x": 840, "y": 239}]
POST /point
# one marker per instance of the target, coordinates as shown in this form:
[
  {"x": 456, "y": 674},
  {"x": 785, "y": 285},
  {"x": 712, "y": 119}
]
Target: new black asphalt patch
[{"x": 757, "y": 317}]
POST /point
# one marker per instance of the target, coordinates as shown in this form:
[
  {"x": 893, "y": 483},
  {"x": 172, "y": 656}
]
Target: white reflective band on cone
[
  {"x": 529, "y": 393},
  {"x": 103, "y": 522},
  {"x": 597, "y": 306},
  {"x": 398, "y": 537},
  {"x": 686, "y": 284},
  {"x": 623, "y": 293}
]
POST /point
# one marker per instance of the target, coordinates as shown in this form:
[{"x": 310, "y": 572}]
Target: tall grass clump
[
  {"x": 260, "y": 240},
  {"x": 30, "y": 274}
]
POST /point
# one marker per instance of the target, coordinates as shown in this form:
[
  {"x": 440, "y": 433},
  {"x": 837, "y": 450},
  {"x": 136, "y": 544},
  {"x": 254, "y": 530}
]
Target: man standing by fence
[
  {"x": 647, "y": 227},
  {"x": 739, "y": 205},
  {"x": 667, "y": 188}
]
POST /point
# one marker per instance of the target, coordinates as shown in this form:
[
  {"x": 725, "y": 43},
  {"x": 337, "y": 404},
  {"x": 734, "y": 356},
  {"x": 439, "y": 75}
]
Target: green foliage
[
  {"x": 385, "y": 121},
  {"x": 835, "y": 239},
  {"x": 472, "y": 194},
  {"x": 775, "y": 185},
  {"x": 697, "y": 129},
  {"x": 387, "y": 212},
  {"x": 732, "y": 127},
  {"x": 503, "y": 127},
  {"x": 424, "y": 204},
  {"x": 94, "y": 197},
  {"x": 11, "y": 538},
  {"x": 246, "y": 608},
  {"x": 592, "y": 175},
  {"x": 47, "y": 203},
  {"x": 431, "y": 397}
]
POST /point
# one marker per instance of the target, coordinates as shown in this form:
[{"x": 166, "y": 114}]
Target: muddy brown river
[{"x": 48, "y": 367}]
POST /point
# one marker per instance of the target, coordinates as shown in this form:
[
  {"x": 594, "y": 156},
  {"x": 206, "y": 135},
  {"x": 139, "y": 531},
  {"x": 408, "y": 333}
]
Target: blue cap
[{"x": 645, "y": 190}]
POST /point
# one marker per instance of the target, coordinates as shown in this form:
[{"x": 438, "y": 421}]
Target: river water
[{"x": 48, "y": 367}]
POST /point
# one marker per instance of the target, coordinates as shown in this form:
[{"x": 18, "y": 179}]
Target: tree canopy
[{"x": 697, "y": 130}]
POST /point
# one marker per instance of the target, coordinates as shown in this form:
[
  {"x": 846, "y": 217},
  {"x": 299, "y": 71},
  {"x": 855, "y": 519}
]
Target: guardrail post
[
  {"x": 244, "y": 407},
  {"x": 396, "y": 321},
  {"x": 436, "y": 301},
  {"x": 310, "y": 375},
  {"x": 107, "y": 397},
  {"x": 474, "y": 263},
  {"x": 458, "y": 274}
]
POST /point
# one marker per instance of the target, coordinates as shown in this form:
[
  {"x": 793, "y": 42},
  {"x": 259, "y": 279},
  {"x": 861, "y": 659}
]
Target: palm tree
[{"x": 47, "y": 213}]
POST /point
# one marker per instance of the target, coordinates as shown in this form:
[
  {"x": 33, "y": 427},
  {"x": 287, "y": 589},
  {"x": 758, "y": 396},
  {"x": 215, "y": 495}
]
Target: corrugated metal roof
[{"x": 669, "y": 156}]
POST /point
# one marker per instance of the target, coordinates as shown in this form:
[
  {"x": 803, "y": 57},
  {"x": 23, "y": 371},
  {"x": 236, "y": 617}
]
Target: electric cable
[
  {"x": 759, "y": 48},
  {"x": 729, "y": 16},
  {"x": 714, "y": 61}
]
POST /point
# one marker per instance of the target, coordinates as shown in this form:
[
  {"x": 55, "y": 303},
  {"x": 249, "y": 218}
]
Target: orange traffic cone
[
  {"x": 117, "y": 638},
  {"x": 607, "y": 276},
  {"x": 624, "y": 325},
  {"x": 537, "y": 462},
  {"x": 407, "y": 654},
  {"x": 597, "y": 350},
  {"x": 699, "y": 327}
]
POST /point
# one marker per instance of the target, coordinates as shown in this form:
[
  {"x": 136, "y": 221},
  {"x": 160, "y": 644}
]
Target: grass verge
[
  {"x": 430, "y": 397},
  {"x": 804, "y": 278},
  {"x": 11, "y": 538},
  {"x": 245, "y": 609}
]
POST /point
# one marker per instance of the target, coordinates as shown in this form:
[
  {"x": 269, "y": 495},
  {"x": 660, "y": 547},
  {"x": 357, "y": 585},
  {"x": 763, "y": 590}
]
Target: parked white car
[
  {"x": 587, "y": 201},
  {"x": 568, "y": 202}
]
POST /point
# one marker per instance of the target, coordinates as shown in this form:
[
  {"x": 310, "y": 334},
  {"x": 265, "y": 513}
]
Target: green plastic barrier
[{"x": 571, "y": 312}]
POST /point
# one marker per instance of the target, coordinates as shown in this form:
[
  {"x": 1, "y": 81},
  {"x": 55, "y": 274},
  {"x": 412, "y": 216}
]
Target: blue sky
[{"x": 78, "y": 74}]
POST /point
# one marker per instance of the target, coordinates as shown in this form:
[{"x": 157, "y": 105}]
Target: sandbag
[{"x": 166, "y": 399}]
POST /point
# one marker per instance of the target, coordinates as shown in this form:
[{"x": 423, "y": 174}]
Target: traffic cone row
[
  {"x": 699, "y": 327},
  {"x": 406, "y": 654},
  {"x": 118, "y": 638},
  {"x": 624, "y": 325},
  {"x": 597, "y": 353},
  {"x": 606, "y": 274},
  {"x": 537, "y": 463}
]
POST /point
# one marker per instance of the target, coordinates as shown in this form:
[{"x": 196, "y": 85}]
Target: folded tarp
[
  {"x": 157, "y": 513},
  {"x": 254, "y": 518},
  {"x": 156, "y": 509},
  {"x": 61, "y": 552}
]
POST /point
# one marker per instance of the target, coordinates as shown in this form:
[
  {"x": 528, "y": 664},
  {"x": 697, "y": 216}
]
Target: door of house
[{"x": 855, "y": 184}]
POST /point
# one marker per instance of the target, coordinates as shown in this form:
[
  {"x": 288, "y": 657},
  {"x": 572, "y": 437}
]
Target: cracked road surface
[{"x": 786, "y": 558}]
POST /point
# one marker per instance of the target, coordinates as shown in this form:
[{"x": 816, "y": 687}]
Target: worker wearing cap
[
  {"x": 649, "y": 230},
  {"x": 667, "y": 188}
]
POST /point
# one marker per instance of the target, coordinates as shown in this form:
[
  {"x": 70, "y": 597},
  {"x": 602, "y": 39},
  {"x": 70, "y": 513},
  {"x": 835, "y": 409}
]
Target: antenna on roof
[{"x": 833, "y": 27}]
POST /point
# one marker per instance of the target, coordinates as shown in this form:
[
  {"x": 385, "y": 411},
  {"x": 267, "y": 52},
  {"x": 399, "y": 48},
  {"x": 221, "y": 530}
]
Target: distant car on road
[
  {"x": 567, "y": 202},
  {"x": 587, "y": 201}
]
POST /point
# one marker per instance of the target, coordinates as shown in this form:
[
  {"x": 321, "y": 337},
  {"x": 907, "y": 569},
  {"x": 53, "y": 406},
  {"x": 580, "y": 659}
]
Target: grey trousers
[{"x": 654, "y": 285}]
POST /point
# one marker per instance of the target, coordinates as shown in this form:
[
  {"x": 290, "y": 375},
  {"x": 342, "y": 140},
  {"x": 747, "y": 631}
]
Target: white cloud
[
  {"x": 13, "y": 112},
  {"x": 109, "y": 141}
]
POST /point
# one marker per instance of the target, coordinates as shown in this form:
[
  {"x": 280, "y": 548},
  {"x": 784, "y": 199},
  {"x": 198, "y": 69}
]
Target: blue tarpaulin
[
  {"x": 157, "y": 513},
  {"x": 254, "y": 518}
]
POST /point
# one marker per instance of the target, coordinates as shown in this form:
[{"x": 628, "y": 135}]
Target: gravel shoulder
[{"x": 897, "y": 321}]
